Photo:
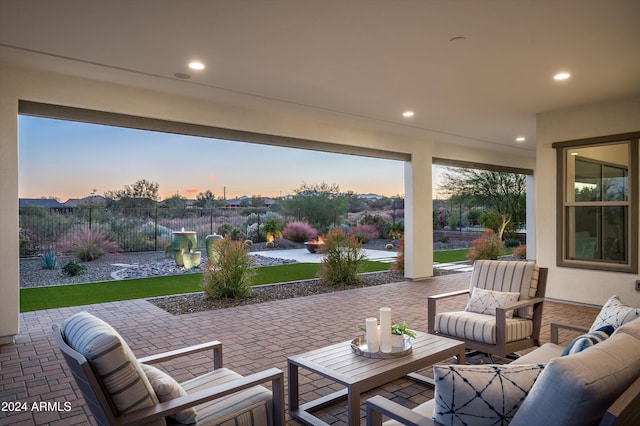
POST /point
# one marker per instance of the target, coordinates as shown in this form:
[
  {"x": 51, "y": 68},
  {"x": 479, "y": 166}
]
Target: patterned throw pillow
[
  {"x": 615, "y": 313},
  {"x": 166, "y": 388},
  {"x": 587, "y": 340},
  {"x": 486, "y": 301},
  {"x": 481, "y": 394}
]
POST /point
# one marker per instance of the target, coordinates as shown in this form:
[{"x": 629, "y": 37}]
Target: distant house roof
[
  {"x": 41, "y": 202},
  {"x": 91, "y": 199}
]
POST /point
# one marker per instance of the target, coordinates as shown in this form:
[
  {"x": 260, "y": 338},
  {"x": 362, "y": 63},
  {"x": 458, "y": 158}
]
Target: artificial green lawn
[{"x": 34, "y": 299}]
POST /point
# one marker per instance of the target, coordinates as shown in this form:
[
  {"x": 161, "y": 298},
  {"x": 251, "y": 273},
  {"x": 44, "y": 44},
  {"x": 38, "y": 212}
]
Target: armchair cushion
[
  {"x": 481, "y": 394},
  {"x": 615, "y": 313},
  {"x": 166, "y": 388},
  {"x": 112, "y": 359},
  {"x": 480, "y": 327},
  {"x": 486, "y": 301},
  {"x": 507, "y": 276},
  {"x": 587, "y": 340}
]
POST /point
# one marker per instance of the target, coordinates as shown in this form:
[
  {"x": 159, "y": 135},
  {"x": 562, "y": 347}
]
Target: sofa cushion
[
  {"x": 541, "y": 355},
  {"x": 587, "y": 340},
  {"x": 481, "y": 394},
  {"x": 251, "y": 406},
  {"x": 504, "y": 275},
  {"x": 578, "y": 389},
  {"x": 480, "y": 327},
  {"x": 112, "y": 360},
  {"x": 632, "y": 328},
  {"x": 486, "y": 301},
  {"x": 166, "y": 388},
  {"x": 615, "y": 313}
]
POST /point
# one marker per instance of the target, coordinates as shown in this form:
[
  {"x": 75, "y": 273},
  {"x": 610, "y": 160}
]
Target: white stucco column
[
  {"x": 418, "y": 224},
  {"x": 531, "y": 219},
  {"x": 9, "y": 255}
]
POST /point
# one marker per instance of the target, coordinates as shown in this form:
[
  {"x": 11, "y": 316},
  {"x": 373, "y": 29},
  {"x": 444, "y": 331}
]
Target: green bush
[
  {"x": 488, "y": 246},
  {"x": 230, "y": 277},
  {"x": 511, "y": 242},
  {"x": 343, "y": 261},
  {"x": 73, "y": 268},
  {"x": 228, "y": 230},
  {"x": 394, "y": 230}
]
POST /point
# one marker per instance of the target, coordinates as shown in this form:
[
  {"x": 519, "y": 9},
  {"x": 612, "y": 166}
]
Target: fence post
[
  {"x": 155, "y": 232},
  {"x": 90, "y": 215},
  {"x": 211, "y": 221}
]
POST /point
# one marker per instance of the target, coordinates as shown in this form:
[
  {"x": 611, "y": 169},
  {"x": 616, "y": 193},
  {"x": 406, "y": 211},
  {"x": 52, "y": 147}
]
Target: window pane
[
  {"x": 614, "y": 184},
  {"x": 600, "y": 233},
  {"x": 587, "y": 181}
]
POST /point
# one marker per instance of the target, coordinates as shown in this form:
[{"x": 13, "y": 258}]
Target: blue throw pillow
[{"x": 587, "y": 340}]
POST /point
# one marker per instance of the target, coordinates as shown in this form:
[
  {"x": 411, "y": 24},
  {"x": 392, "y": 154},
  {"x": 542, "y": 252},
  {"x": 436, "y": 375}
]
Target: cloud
[
  {"x": 213, "y": 178},
  {"x": 192, "y": 192}
]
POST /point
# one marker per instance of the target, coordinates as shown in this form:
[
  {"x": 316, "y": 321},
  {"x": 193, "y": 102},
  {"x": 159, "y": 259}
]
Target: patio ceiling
[{"x": 361, "y": 62}]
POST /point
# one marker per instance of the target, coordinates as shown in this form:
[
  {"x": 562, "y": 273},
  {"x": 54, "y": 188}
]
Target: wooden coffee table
[{"x": 360, "y": 374}]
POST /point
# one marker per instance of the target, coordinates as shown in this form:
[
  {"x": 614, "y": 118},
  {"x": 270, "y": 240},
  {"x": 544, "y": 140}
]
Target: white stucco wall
[
  {"x": 24, "y": 84},
  {"x": 610, "y": 118}
]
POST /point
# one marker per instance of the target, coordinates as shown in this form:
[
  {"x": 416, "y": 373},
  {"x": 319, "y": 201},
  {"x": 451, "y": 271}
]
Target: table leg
[
  {"x": 294, "y": 390},
  {"x": 462, "y": 357},
  {"x": 353, "y": 406}
]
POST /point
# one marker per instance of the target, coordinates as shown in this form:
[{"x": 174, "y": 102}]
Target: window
[{"x": 598, "y": 203}]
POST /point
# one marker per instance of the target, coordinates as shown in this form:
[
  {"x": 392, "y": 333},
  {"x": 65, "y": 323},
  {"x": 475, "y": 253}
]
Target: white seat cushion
[
  {"x": 541, "y": 355},
  {"x": 248, "y": 407},
  {"x": 425, "y": 409},
  {"x": 480, "y": 327}
]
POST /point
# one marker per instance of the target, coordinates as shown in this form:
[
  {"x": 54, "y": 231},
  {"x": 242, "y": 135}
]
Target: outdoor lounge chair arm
[
  {"x": 431, "y": 306},
  {"x": 166, "y": 356},
  {"x": 379, "y": 406},
  {"x": 555, "y": 328},
  {"x": 522, "y": 304},
  {"x": 275, "y": 375}
]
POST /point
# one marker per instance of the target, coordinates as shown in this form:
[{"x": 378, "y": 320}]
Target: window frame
[{"x": 562, "y": 204}]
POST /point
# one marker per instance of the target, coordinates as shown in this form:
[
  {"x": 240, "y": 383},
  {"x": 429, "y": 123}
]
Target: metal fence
[{"x": 144, "y": 229}]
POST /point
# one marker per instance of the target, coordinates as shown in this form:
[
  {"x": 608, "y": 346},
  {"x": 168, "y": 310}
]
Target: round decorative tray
[{"x": 359, "y": 347}]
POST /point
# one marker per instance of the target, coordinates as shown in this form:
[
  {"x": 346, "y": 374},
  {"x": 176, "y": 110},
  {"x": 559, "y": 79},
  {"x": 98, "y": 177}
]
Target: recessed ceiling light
[
  {"x": 521, "y": 139},
  {"x": 407, "y": 114},
  {"x": 574, "y": 153},
  {"x": 562, "y": 76},
  {"x": 195, "y": 65}
]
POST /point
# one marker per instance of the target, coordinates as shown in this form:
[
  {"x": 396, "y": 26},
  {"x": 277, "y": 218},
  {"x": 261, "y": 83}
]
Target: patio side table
[{"x": 360, "y": 374}]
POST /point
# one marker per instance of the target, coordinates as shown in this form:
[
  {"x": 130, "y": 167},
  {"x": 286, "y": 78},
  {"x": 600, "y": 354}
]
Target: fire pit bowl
[{"x": 314, "y": 246}]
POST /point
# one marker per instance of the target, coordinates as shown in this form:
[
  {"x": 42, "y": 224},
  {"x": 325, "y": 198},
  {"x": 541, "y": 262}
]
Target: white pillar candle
[
  {"x": 373, "y": 339},
  {"x": 385, "y": 330}
]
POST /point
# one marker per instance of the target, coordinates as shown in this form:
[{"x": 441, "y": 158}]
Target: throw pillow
[
  {"x": 587, "y": 340},
  {"x": 166, "y": 388},
  {"x": 486, "y": 301},
  {"x": 615, "y": 313},
  {"x": 481, "y": 394}
]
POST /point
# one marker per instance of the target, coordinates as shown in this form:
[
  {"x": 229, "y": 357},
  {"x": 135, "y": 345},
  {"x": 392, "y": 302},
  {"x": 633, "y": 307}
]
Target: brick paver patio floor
[{"x": 254, "y": 338}]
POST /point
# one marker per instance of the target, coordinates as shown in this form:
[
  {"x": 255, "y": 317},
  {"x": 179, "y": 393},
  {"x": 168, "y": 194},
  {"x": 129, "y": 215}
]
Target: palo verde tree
[
  {"x": 320, "y": 204},
  {"x": 142, "y": 194},
  {"x": 503, "y": 193}
]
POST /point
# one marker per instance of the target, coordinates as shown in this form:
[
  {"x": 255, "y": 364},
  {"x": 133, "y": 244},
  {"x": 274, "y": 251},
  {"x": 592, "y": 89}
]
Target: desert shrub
[
  {"x": 376, "y": 220},
  {"x": 511, "y": 242},
  {"x": 89, "y": 245},
  {"x": 49, "y": 260},
  {"x": 253, "y": 232},
  {"x": 473, "y": 217},
  {"x": 364, "y": 233},
  {"x": 398, "y": 264},
  {"x": 299, "y": 232},
  {"x": 230, "y": 277},
  {"x": 26, "y": 246},
  {"x": 270, "y": 244},
  {"x": 272, "y": 226},
  {"x": 73, "y": 268},
  {"x": 443, "y": 239},
  {"x": 488, "y": 246},
  {"x": 149, "y": 230},
  {"x": 228, "y": 230},
  {"x": 520, "y": 252},
  {"x": 389, "y": 246},
  {"x": 343, "y": 261},
  {"x": 394, "y": 230}
]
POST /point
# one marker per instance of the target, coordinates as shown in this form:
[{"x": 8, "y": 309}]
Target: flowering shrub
[
  {"x": 364, "y": 233},
  {"x": 299, "y": 232},
  {"x": 89, "y": 245},
  {"x": 398, "y": 264},
  {"x": 488, "y": 246},
  {"x": 520, "y": 252}
]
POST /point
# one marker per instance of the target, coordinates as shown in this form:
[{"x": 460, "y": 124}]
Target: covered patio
[{"x": 254, "y": 338}]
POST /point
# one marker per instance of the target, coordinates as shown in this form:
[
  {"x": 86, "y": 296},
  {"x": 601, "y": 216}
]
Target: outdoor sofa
[{"x": 583, "y": 383}]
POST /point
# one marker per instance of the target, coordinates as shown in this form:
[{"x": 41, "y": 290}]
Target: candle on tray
[
  {"x": 373, "y": 339},
  {"x": 385, "y": 330}
]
